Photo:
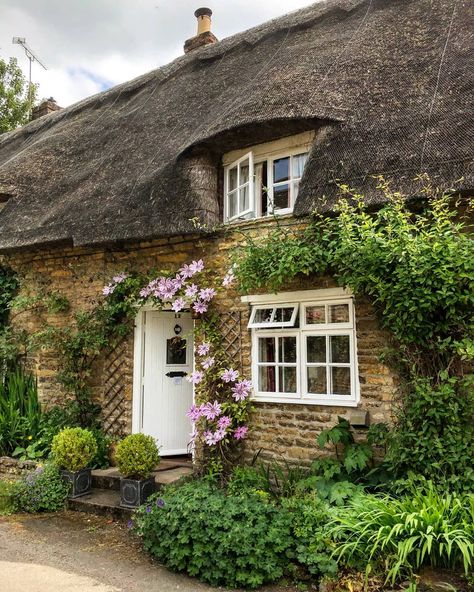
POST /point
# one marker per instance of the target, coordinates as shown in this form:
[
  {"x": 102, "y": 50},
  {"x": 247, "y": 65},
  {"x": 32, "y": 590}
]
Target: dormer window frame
[{"x": 262, "y": 159}]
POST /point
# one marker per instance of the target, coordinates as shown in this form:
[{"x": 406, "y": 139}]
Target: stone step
[
  {"x": 109, "y": 479},
  {"x": 101, "y": 502}
]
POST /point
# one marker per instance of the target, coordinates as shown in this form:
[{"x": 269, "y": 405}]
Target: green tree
[{"x": 15, "y": 101}]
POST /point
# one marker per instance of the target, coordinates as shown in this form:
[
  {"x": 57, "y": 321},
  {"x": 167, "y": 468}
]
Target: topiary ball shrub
[
  {"x": 42, "y": 490},
  {"x": 73, "y": 449},
  {"x": 222, "y": 539},
  {"x": 137, "y": 455}
]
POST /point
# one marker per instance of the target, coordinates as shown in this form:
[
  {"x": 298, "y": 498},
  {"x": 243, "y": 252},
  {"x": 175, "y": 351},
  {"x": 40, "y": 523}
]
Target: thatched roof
[{"x": 390, "y": 79}]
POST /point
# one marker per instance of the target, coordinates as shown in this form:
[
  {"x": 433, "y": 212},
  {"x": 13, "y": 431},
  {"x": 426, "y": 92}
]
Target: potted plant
[
  {"x": 136, "y": 455},
  {"x": 72, "y": 450}
]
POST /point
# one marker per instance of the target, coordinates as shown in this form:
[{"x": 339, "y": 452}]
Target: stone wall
[
  {"x": 278, "y": 430},
  {"x": 11, "y": 468}
]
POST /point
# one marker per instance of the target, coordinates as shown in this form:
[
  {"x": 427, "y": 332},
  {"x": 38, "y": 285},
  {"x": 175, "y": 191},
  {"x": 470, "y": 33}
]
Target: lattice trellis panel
[
  {"x": 229, "y": 325},
  {"x": 114, "y": 405}
]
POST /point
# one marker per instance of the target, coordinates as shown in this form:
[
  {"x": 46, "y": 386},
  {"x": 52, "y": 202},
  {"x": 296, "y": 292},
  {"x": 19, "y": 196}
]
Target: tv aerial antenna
[{"x": 32, "y": 57}]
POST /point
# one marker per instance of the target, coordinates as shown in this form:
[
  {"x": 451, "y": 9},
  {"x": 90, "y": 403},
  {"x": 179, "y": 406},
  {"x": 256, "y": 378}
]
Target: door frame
[{"x": 139, "y": 363}]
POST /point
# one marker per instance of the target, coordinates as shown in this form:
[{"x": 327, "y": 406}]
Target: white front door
[{"x": 165, "y": 358}]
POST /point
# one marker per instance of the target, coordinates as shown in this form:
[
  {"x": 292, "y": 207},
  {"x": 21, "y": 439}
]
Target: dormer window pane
[
  {"x": 233, "y": 178},
  {"x": 281, "y": 170},
  {"x": 281, "y": 197}
]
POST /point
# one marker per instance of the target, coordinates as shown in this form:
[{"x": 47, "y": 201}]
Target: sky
[{"x": 91, "y": 45}]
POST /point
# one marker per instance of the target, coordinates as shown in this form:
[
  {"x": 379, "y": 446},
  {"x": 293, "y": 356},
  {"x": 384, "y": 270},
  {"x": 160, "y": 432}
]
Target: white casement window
[
  {"x": 264, "y": 181},
  {"x": 304, "y": 351}
]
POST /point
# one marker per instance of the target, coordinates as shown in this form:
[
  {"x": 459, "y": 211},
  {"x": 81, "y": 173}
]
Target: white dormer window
[{"x": 265, "y": 180}]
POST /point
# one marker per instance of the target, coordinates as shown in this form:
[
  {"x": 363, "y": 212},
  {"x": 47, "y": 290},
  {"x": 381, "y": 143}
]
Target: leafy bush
[
  {"x": 7, "y": 489},
  {"x": 398, "y": 536},
  {"x": 42, "y": 490},
  {"x": 73, "y": 448},
  {"x": 20, "y": 411},
  {"x": 137, "y": 455},
  {"x": 221, "y": 539},
  {"x": 312, "y": 548}
]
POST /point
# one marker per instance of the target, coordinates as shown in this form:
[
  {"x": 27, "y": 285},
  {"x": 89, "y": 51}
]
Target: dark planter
[
  {"x": 135, "y": 492},
  {"x": 79, "y": 482}
]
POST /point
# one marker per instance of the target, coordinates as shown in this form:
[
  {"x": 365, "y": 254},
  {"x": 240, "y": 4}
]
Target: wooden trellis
[
  {"x": 229, "y": 325},
  {"x": 114, "y": 401}
]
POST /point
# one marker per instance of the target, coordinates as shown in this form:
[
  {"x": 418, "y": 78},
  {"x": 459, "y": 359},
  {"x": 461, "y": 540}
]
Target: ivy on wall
[{"x": 417, "y": 269}]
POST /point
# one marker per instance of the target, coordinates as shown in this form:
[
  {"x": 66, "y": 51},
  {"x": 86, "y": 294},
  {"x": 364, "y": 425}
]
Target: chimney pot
[{"x": 204, "y": 35}]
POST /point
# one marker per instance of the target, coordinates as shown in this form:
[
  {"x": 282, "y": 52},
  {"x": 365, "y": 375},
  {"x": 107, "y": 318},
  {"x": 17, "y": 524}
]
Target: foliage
[
  {"x": 137, "y": 456},
  {"x": 73, "y": 448},
  {"x": 42, "y": 490},
  {"x": 16, "y": 98},
  {"x": 221, "y": 539},
  {"x": 312, "y": 548},
  {"x": 399, "y": 536},
  {"x": 435, "y": 433},
  {"x": 416, "y": 266},
  {"x": 8, "y": 288},
  {"x": 7, "y": 489},
  {"x": 20, "y": 411}
]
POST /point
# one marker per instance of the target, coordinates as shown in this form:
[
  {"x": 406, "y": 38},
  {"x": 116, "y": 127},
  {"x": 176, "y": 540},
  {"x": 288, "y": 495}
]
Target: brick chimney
[
  {"x": 204, "y": 35},
  {"x": 45, "y": 108}
]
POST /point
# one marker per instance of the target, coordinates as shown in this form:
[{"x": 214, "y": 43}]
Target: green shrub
[
  {"x": 7, "y": 490},
  {"x": 398, "y": 536},
  {"x": 42, "y": 490},
  {"x": 20, "y": 411},
  {"x": 221, "y": 539},
  {"x": 137, "y": 455},
  {"x": 73, "y": 448},
  {"x": 312, "y": 548}
]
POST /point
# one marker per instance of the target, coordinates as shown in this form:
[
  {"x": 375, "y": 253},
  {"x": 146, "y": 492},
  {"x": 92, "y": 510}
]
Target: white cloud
[{"x": 91, "y": 44}]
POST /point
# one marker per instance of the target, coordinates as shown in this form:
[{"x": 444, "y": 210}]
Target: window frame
[
  {"x": 251, "y": 185},
  {"x": 273, "y": 324},
  {"x": 260, "y": 395},
  {"x": 303, "y": 300}
]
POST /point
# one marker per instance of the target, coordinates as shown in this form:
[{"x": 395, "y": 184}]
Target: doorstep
[{"x": 104, "y": 499}]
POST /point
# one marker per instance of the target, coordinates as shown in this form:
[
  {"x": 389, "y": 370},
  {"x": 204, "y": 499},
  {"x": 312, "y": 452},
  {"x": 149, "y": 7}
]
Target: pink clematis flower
[
  {"x": 178, "y": 304},
  {"x": 196, "y": 266},
  {"x": 185, "y": 272},
  {"x": 228, "y": 278},
  {"x": 208, "y": 363},
  {"x": 207, "y": 294},
  {"x": 191, "y": 291},
  {"x": 195, "y": 377},
  {"x": 200, "y": 307},
  {"x": 204, "y": 348},
  {"x": 107, "y": 290},
  {"x": 224, "y": 422},
  {"x": 241, "y": 433},
  {"x": 241, "y": 390},
  {"x": 121, "y": 277},
  {"x": 229, "y": 375},
  {"x": 211, "y": 410},
  {"x": 194, "y": 413}
]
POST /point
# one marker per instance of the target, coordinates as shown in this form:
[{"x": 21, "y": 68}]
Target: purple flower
[
  {"x": 191, "y": 291},
  {"x": 200, "y": 307},
  {"x": 210, "y": 438},
  {"x": 196, "y": 266},
  {"x": 195, "y": 377},
  {"x": 241, "y": 390},
  {"x": 160, "y": 503},
  {"x": 220, "y": 434},
  {"x": 148, "y": 509},
  {"x": 107, "y": 290},
  {"x": 207, "y": 294},
  {"x": 178, "y": 304},
  {"x": 228, "y": 278},
  {"x": 121, "y": 277},
  {"x": 185, "y": 272},
  {"x": 203, "y": 349},
  {"x": 145, "y": 292},
  {"x": 224, "y": 422},
  {"x": 229, "y": 375},
  {"x": 130, "y": 524},
  {"x": 211, "y": 410},
  {"x": 178, "y": 282},
  {"x": 208, "y": 362},
  {"x": 194, "y": 413},
  {"x": 241, "y": 433}
]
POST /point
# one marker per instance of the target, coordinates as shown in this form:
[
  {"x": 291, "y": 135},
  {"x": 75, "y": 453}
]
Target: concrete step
[
  {"x": 101, "y": 502},
  {"x": 109, "y": 479}
]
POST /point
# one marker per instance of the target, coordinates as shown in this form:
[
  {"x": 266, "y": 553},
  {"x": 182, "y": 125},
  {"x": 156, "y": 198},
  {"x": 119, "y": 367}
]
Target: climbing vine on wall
[{"x": 417, "y": 268}]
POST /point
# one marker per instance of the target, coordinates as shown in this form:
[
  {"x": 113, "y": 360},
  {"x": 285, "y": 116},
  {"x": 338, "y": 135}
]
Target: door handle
[{"x": 180, "y": 374}]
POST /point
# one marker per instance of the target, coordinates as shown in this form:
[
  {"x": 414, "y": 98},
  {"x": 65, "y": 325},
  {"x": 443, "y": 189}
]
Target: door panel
[{"x": 167, "y": 395}]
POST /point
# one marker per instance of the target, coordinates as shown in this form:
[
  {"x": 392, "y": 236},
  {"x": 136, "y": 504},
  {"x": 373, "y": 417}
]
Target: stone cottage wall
[{"x": 278, "y": 430}]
